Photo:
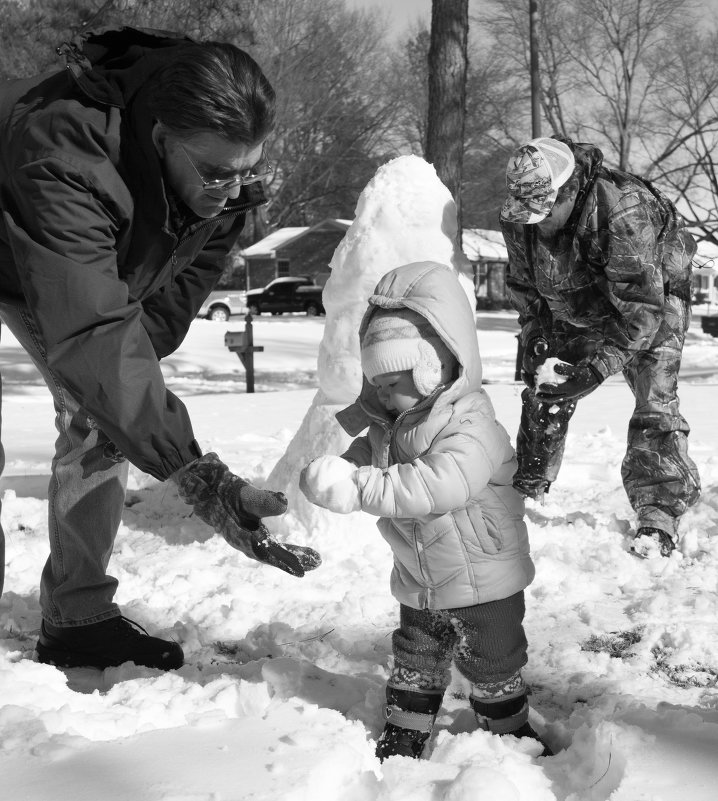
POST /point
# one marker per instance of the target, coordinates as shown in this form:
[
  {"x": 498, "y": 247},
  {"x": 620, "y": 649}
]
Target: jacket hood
[
  {"x": 434, "y": 291},
  {"x": 111, "y": 64},
  {"x": 589, "y": 160}
]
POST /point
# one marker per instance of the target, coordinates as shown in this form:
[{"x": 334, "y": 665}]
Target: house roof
[
  {"x": 270, "y": 243},
  {"x": 283, "y": 236}
]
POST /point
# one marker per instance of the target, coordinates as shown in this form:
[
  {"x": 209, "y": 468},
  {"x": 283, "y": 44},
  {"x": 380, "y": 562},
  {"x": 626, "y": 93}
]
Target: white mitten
[{"x": 328, "y": 481}]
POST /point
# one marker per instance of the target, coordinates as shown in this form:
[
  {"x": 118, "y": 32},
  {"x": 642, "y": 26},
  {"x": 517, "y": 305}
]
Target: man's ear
[{"x": 159, "y": 138}]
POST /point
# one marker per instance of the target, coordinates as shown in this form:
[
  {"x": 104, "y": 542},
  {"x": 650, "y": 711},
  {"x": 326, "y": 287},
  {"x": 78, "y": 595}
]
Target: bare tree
[
  {"x": 325, "y": 63},
  {"x": 681, "y": 150},
  {"x": 447, "y": 92},
  {"x": 596, "y": 63}
]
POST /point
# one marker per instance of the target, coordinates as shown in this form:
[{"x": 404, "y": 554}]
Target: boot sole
[{"x": 69, "y": 659}]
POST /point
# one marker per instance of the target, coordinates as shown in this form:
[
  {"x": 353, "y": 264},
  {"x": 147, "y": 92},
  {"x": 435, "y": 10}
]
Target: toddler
[{"x": 436, "y": 468}]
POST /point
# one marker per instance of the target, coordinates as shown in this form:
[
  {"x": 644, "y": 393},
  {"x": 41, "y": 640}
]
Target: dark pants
[
  {"x": 659, "y": 477},
  {"x": 486, "y": 642}
]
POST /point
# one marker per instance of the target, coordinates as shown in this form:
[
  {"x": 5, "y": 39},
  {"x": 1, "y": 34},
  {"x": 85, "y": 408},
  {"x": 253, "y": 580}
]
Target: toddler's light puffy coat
[{"x": 439, "y": 477}]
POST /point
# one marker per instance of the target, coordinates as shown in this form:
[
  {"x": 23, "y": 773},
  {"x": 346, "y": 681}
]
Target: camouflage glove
[
  {"x": 234, "y": 508},
  {"x": 535, "y": 354},
  {"x": 580, "y": 381}
]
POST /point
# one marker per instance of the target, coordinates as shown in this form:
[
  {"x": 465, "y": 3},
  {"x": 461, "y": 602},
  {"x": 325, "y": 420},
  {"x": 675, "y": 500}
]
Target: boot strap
[
  {"x": 416, "y": 721},
  {"x": 504, "y": 725}
]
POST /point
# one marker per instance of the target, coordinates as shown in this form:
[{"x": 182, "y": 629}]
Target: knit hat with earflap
[{"x": 401, "y": 339}]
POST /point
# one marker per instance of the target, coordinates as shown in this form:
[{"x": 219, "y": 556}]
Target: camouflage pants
[{"x": 660, "y": 479}]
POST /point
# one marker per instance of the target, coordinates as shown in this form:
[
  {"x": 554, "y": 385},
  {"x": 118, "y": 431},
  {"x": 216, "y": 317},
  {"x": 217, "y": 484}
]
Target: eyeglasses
[{"x": 261, "y": 170}]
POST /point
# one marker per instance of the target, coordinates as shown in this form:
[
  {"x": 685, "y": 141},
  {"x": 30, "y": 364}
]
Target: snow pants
[
  {"x": 86, "y": 497},
  {"x": 486, "y": 642},
  {"x": 659, "y": 477}
]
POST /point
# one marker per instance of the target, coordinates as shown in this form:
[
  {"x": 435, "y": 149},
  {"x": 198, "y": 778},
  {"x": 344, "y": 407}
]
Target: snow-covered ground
[{"x": 281, "y": 692}]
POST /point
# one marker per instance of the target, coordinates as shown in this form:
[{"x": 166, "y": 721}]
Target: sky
[{"x": 280, "y": 695}]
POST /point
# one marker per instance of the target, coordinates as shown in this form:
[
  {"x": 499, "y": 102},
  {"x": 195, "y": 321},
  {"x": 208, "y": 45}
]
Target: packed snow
[{"x": 281, "y": 693}]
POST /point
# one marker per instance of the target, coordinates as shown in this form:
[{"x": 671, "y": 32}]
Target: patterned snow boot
[
  {"x": 506, "y": 716},
  {"x": 410, "y": 717}
]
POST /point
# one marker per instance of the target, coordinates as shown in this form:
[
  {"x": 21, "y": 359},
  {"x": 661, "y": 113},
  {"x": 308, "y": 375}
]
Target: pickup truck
[{"x": 290, "y": 293}]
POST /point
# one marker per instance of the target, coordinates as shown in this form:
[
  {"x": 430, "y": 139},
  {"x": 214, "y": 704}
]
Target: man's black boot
[
  {"x": 650, "y": 541},
  {"x": 410, "y": 717},
  {"x": 509, "y": 716},
  {"x": 106, "y": 644}
]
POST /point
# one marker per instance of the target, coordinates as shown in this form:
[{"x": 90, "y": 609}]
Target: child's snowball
[
  {"x": 547, "y": 375},
  {"x": 331, "y": 480}
]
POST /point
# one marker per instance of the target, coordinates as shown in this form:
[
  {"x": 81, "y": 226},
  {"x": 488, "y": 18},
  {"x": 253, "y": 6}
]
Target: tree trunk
[
  {"x": 447, "y": 93},
  {"x": 259, "y": 226}
]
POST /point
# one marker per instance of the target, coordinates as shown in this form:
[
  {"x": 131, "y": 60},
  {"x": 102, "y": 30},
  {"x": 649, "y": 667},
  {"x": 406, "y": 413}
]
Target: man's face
[
  {"x": 558, "y": 216},
  {"x": 204, "y": 157},
  {"x": 397, "y": 391}
]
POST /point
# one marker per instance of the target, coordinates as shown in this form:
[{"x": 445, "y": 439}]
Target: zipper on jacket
[
  {"x": 419, "y": 550},
  {"x": 233, "y": 212}
]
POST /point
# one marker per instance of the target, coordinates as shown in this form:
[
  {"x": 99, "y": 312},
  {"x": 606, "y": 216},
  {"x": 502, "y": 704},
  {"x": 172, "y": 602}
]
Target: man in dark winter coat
[
  {"x": 600, "y": 274},
  {"x": 124, "y": 182}
]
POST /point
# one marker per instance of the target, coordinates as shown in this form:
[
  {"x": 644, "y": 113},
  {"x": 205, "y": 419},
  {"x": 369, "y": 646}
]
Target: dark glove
[
  {"x": 534, "y": 355},
  {"x": 233, "y": 508},
  {"x": 580, "y": 381}
]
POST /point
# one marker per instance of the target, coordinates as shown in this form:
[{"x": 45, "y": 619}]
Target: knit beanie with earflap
[{"x": 401, "y": 339}]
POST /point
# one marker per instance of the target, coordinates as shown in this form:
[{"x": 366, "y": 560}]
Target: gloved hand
[
  {"x": 534, "y": 355},
  {"x": 234, "y": 508},
  {"x": 329, "y": 482},
  {"x": 580, "y": 381}
]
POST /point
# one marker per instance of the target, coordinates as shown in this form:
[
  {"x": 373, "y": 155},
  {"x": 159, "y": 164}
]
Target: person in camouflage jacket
[{"x": 600, "y": 274}]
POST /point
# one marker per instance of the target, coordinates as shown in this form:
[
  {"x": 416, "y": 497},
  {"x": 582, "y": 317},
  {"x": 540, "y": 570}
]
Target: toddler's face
[{"x": 397, "y": 391}]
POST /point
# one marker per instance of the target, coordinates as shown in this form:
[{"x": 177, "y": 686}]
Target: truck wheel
[
  {"x": 219, "y": 313},
  {"x": 312, "y": 310},
  {"x": 254, "y": 310}
]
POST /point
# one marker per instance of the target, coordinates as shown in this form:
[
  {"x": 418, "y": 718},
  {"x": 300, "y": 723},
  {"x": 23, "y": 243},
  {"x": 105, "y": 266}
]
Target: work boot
[
  {"x": 410, "y": 717},
  {"x": 506, "y": 716},
  {"x": 650, "y": 541},
  {"x": 106, "y": 644}
]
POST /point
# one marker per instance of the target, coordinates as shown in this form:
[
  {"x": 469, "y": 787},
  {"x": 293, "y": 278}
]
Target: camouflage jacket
[{"x": 606, "y": 274}]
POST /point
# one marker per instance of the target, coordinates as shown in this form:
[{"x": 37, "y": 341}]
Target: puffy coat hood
[
  {"x": 432, "y": 290},
  {"x": 111, "y": 64}
]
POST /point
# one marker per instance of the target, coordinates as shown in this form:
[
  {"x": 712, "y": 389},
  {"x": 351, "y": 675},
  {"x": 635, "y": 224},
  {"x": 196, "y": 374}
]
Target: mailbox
[
  {"x": 235, "y": 340},
  {"x": 242, "y": 343}
]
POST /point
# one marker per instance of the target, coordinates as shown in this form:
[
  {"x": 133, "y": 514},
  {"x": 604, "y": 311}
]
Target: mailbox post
[{"x": 242, "y": 343}]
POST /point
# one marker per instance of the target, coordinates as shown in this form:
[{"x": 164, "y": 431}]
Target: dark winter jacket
[
  {"x": 439, "y": 476},
  {"x": 608, "y": 271},
  {"x": 89, "y": 242}
]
